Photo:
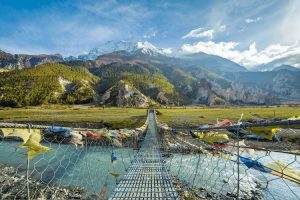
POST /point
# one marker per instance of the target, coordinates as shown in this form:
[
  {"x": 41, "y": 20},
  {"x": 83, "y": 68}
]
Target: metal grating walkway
[{"x": 147, "y": 177}]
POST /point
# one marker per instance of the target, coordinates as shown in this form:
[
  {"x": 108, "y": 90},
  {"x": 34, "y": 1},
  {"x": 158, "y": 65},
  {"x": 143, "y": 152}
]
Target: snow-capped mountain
[
  {"x": 112, "y": 46},
  {"x": 108, "y": 47},
  {"x": 148, "y": 48}
]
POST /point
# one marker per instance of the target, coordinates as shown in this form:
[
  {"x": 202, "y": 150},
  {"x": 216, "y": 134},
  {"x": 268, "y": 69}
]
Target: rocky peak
[
  {"x": 20, "y": 61},
  {"x": 109, "y": 47}
]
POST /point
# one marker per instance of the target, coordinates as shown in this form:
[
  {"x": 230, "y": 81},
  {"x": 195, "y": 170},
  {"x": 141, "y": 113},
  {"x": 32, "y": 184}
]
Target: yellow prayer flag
[
  {"x": 274, "y": 130},
  {"x": 284, "y": 171},
  {"x": 31, "y": 140},
  {"x": 34, "y": 147},
  {"x": 22, "y": 133},
  {"x": 264, "y": 132},
  {"x": 212, "y": 137}
]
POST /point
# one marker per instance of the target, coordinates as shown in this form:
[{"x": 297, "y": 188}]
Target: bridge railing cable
[
  {"x": 255, "y": 160},
  {"x": 51, "y": 162}
]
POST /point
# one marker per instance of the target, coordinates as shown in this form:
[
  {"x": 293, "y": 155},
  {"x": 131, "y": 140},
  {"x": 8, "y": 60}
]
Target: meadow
[
  {"x": 113, "y": 117},
  {"x": 193, "y": 117},
  {"x": 135, "y": 117}
]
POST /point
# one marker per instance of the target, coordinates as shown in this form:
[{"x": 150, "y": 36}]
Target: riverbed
[
  {"x": 220, "y": 176},
  {"x": 88, "y": 167},
  {"x": 68, "y": 165}
]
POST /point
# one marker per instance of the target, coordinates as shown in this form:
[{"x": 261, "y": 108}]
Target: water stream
[
  {"x": 67, "y": 165},
  {"x": 88, "y": 167}
]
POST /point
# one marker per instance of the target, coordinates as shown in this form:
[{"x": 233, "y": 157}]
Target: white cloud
[
  {"x": 167, "y": 50},
  {"x": 248, "y": 58},
  {"x": 249, "y": 20},
  {"x": 199, "y": 33}
]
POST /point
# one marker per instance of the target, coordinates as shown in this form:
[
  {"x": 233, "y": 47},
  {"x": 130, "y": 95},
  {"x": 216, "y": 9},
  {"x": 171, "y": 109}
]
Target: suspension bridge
[
  {"x": 202, "y": 169},
  {"x": 147, "y": 177}
]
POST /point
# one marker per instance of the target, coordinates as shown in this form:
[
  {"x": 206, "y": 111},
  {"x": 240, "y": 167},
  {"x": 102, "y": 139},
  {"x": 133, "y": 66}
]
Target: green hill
[
  {"x": 135, "y": 79},
  {"x": 47, "y": 83},
  {"x": 148, "y": 79}
]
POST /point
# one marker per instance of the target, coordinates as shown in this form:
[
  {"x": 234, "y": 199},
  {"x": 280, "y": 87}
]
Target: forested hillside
[
  {"x": 138, "y": 79},
  {"x": 146, "y": 78},
  {"x": 47, "y": 83}
]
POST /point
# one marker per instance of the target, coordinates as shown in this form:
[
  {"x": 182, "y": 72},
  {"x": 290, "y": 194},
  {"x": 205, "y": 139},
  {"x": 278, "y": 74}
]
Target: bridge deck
[{"x": 147, "y": 177}]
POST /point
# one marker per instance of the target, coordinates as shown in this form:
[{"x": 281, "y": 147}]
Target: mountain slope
[
  {"x": 123, "y": 94},
  {"x": 212, "y": 63},
  {"x": 286, "y": 67},
  {"x": 292, "y": 60},
  {"x": 47, "y": 83},
  {"x": 20, "y": 61},
  {"x": 138, "y": 78},
  {"x": 283, "y": 84},
  {"x": 113, "y": 46},
  {"x": 146, "y": 78},
  {"x": 108, "y": 47}
]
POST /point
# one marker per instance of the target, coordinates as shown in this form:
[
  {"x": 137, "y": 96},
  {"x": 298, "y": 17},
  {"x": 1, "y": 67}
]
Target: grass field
[
  {"x": 114, "y": 117},
  {"x": 193, "y": 117},
  {"x": 132, "y": 117}
]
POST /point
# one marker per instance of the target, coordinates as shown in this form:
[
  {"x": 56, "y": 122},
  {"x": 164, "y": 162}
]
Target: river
[
  {"x": 67, "y": 165},
  {"x": 88, "y": 167},
  {"x": 220, "y": 175}
]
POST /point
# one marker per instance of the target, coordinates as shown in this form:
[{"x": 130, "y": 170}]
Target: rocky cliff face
[
  {"x": 286, "y": 84},
  {"x": 281, "y": 85},
  {"x": 210, "y": 93},
  {"x": 20, "y": 61},
  {"x": 204, "y": 93},
  {"x": 122, "y": 94}
]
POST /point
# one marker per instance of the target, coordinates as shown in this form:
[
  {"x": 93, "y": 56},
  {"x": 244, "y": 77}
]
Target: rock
[
  {"x": 20, "y": 61},
  {"x": 231, "y": 194},
  {"x": 225, "y": 181},
  {"x": 12, "y": 185}
]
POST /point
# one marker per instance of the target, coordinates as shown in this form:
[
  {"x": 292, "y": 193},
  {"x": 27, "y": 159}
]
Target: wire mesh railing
[
  {"x": 46, "y": 162},
  {"x": 235, "y": 161},
  {"x": 223, "y": 161}
]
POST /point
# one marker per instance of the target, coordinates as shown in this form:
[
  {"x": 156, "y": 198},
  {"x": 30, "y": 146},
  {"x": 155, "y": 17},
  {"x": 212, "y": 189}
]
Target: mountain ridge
[
  {"x": 159, "y": 79},
  {"x": 286, "y": 67},
  {"x": 291, "y": 60},
  {"x": 20, "y": 61}
]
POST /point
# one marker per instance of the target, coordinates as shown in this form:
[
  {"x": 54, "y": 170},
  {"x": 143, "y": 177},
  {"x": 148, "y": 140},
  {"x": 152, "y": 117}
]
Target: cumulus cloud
[
  {"x": 249, "y": 57},
  {"x": 167, "y": 50},
  {"x": 202, "y": 33},
  {"x": 250, "y": 20},
  {"x": 199, "y": 33}
]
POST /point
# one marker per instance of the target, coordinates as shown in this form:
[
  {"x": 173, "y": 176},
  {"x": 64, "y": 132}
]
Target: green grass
[
  {"x": 114, "y": 117},
  {"x": 133, "y": 117},
  {"x": 193, "y": 117}
]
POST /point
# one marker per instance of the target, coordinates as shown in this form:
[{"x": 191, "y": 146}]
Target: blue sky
[{"x": 249, "y": 32}]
